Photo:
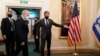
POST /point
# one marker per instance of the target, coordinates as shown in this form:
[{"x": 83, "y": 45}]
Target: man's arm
[
  {"x": 38, "y": 23},
  {"x": 3, "y": 24},
  {"x": 57, "y": 25},
  {"x": 19, "y": 30},
  {"x": 3, "y": 28}
]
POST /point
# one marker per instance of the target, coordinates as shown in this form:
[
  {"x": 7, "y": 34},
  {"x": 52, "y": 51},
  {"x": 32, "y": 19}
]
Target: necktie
[
  {"x": 12, "y": 25},
  {"x": 47, "y": 23}
]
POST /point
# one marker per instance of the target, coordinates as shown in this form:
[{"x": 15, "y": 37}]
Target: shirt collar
[
  {"x": 23, "y": 17},
  {"x": 9, "y": 18}
]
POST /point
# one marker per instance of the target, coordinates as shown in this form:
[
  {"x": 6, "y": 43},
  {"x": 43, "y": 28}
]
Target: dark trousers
[
  {"x": 20, "y": 48},
  {"x": 9, "y": 45},
  {"x": 36, "y": 34},
  {"x": 36, "y": 42},
  {"x": 43, "y": 42}
]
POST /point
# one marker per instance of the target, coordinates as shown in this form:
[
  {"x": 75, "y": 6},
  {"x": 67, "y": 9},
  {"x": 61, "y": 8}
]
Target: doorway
[{"x": 33, "y": 13}]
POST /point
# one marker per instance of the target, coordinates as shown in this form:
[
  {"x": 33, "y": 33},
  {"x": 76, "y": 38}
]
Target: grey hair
[{"x": 24, "y": 11}]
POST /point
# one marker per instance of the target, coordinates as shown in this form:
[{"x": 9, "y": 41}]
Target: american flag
[{"x": 74, "y": 27}]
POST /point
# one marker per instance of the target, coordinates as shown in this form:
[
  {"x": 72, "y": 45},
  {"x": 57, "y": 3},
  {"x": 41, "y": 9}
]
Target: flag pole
[{"x": 75, "y": 50}]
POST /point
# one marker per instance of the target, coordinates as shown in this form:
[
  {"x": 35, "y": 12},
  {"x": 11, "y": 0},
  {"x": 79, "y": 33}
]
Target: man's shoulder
[
  {"x": 19, "y": 17},
  {"x": 18, "y": 20},
  {"x": 41, "y": 20},
  {"x": 49, "y": 19},
  {"x": 4, "y": 18}
]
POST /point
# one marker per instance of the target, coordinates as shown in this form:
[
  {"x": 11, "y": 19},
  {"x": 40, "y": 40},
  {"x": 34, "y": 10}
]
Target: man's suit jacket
[
  {"x": 36, "y": 29},
  {"x": 6, "y": 27},
  {"x": 21, "y": 29},
  {"x": 46, "y": 29}
]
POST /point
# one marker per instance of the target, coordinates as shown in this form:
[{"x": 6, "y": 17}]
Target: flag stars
[{"x": 75, "y": 11}]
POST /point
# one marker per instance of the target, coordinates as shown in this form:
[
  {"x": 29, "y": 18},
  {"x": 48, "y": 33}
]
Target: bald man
[
  {"x": 22, "y": 34},
  {"x": 8, "y": 30}
]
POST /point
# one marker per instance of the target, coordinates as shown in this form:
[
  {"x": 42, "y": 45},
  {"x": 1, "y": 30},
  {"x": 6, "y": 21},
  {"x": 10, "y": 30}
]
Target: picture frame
[{"x": 66, "y": 13}]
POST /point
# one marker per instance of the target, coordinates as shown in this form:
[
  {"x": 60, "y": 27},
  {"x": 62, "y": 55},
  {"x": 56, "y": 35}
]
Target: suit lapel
[
  {"x": 44, "y": 21},
  {"x": 8, "y": 21},
  {"x": 22, "y": 20}
]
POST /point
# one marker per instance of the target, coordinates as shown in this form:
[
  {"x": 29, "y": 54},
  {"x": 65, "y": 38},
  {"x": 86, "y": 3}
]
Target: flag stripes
[{"x": 74, "y": 27}]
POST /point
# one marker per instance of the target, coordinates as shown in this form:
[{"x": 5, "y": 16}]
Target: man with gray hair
[{"x": 22, "y": 34}]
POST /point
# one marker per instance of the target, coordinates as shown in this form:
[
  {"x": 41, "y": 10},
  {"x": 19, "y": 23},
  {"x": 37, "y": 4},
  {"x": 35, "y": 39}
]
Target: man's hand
[
  {"x": 65, "y": 26},
  {"x": 23, "y": 43},
  {"x": 4, "y": 36},
  {"x": 36, "y": 37}
]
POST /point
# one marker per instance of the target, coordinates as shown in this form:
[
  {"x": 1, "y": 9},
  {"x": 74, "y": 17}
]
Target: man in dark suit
[
  {"x": 22, "y": 34},
  {"x": 46, "y": 25},
  {"x": 36, "y": 33},
  {"x": 8, "y": 32}
]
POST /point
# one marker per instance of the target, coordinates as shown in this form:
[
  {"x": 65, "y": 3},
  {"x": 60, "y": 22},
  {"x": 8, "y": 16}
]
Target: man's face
[
  {"x": 9, "y": 14},
  {"x": 46, "y": 14},
  {"x": 26, "y": 14}
]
